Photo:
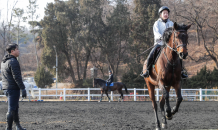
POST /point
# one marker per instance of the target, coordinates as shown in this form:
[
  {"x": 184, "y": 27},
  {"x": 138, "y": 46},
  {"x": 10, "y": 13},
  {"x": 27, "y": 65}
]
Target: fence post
[
  {"x": 88, "y": 94},
  {"x": 112, "y": 96},
  {"x": 134, "y": 94},
  {"x": 200, "y": 94},
  {"x": 64, "y": 94},
  {"x": 157, "y": 92},
  {"x": 39, "y": 93}
]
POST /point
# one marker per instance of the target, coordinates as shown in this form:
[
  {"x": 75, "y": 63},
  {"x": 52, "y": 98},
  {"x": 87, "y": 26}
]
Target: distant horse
[
  {"x": 167, "y": 71},
  {"x": 117, "y": 86}
]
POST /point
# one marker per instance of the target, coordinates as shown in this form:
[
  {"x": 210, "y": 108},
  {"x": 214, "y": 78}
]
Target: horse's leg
[
  {"x": 162, "y": 103},
  {"x": 166, "y": 96},
  {"x": 107, "y": 96},
  {"x": 101, "y": 96},
  {"x": 121, "y": 95},
  {"x": 154, "y": 104},
  {"x": 178, "y": 100}
]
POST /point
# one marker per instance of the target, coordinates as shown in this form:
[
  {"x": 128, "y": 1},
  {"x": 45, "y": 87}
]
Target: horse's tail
[{"x": 126, "y": 89}]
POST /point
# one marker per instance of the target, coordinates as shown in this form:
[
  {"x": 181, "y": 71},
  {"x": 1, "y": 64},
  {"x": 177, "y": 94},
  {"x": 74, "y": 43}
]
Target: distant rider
[{"x": 109, "y": 80}]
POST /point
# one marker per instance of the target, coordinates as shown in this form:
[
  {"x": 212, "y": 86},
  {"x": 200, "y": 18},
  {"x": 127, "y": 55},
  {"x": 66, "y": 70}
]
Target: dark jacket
[
  {"x": 11, "y": 74},
  {"x": 110, "y": 79}
]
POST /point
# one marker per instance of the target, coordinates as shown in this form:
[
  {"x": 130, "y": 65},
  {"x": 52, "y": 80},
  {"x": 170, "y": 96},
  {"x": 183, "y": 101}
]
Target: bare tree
[
  {"x": 6, "y": 27},
  {"x": 203, "y": 15},
  {"x": 33, "y": 16}
]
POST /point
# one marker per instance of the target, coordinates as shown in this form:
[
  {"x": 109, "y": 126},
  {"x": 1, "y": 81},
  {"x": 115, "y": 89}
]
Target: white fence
[{"x": 190, "y": 94}]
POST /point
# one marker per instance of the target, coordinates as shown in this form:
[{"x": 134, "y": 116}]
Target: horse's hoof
[
  {"x": 109, "y": 101},
  {"x": 99, "y": 101},
  {"x": 164, "y": 126},
  {"x": 174, "y": 110},
  {"x": 169, "y": 118},
  {"x": 157, "y": 129}
]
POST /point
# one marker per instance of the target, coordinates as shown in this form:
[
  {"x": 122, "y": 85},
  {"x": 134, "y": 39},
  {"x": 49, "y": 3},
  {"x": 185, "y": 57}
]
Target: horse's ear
[
  {"x": 187, "y": 27},
  {"x": 175, "y": 26}
]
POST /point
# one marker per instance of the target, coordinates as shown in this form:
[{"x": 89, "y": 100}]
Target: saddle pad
[{"x": 112, "y": 84}]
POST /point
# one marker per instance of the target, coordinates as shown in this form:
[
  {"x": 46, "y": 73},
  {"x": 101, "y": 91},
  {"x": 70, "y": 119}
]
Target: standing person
[
  {"x": 12, "y": 84},
  {"x": 109, "y": 80},
  {"x": 158, "y": 29}
]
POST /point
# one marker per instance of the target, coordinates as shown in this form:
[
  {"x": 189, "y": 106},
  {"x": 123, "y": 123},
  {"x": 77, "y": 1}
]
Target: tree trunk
[
  {"x": 86, "y": 63},
  {"x": 37, "y": 59},
  {"x": 197, "y": 36},
  {"x": 77, "y": 65},
  {"x": 71, "y": 68}
]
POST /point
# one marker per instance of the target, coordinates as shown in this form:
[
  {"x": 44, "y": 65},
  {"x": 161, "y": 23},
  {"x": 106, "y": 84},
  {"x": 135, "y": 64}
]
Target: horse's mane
[{"x": 168, "y": 32}]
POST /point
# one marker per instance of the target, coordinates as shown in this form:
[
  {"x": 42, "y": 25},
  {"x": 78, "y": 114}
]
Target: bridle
[{"x": 175, "y": 49}]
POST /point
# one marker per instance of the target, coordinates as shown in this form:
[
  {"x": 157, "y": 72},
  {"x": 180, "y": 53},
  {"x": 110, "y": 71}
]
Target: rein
[{"x": 146, "y": 50}]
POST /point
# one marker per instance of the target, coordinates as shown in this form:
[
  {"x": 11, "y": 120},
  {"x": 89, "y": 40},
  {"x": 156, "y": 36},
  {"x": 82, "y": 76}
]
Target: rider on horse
[
  {"x": 109, "y": 80},
  {"x": 159, "y": 26}
]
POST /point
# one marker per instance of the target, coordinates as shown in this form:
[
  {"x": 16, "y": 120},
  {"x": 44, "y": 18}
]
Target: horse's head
[
  {"x": 180, "y": 39},
  {"x": 94, "y": 83}
]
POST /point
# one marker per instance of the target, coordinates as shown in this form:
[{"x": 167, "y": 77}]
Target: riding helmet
[{"x": 163, "y": 8}]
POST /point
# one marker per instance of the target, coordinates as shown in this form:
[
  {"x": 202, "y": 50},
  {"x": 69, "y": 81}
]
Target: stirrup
[{"x": 183, "y": 75}]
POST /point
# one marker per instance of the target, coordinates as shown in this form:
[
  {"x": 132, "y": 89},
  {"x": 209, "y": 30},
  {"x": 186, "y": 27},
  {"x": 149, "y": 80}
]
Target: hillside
[{"x": 200, "y": 60}]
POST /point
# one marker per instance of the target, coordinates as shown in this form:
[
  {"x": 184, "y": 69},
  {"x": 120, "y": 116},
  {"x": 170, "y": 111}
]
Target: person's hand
[
  {"x": 6, "y": 93},
  {"x": 161, "y": 38},
  {"x": 24, "y": 93}
]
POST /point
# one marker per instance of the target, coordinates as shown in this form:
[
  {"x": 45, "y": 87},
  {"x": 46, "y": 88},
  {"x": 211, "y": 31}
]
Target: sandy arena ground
[{"x": 110, "y": 116}]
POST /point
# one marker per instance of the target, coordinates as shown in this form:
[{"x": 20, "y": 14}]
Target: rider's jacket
[
  {"x": 158, "y": 29},
  {"x": 110, "y": 79}
]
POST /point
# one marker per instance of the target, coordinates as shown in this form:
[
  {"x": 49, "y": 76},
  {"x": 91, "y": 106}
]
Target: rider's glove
[{"x": 23, "y": 93}]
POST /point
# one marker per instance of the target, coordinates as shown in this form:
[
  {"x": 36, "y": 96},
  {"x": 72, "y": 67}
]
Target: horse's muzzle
[{"x": 182, "y": 55}]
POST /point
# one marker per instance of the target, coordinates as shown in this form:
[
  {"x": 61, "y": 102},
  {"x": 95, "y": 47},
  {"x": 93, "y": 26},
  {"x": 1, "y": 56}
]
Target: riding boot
[
  {"x": 183, "y": 75},
  {"x": 149, "y": 61},
  {"x": 9, "y": 118},
  {"x": 17, "y": 122}
]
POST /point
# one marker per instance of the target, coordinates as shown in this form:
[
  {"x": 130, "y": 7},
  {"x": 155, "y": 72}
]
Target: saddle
[{"x": 157, "y": 54}]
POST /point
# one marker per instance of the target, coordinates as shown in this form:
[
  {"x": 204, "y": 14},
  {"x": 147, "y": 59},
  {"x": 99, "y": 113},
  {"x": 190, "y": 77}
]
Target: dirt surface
[{"x": 110, "y": 116}]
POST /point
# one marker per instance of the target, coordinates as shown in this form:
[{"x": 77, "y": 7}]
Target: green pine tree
[
  {"x": 43, "y": 77},
  {"x": 203, "y": 79}
]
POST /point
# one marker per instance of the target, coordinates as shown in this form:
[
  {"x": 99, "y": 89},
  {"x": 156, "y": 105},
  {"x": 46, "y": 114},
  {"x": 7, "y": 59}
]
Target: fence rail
[{"x": 186, "y": 93}]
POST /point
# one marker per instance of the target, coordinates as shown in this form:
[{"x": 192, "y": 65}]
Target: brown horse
[
  {"x": 117, "y": 86},
  {"x": 167, "y": 71}
]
